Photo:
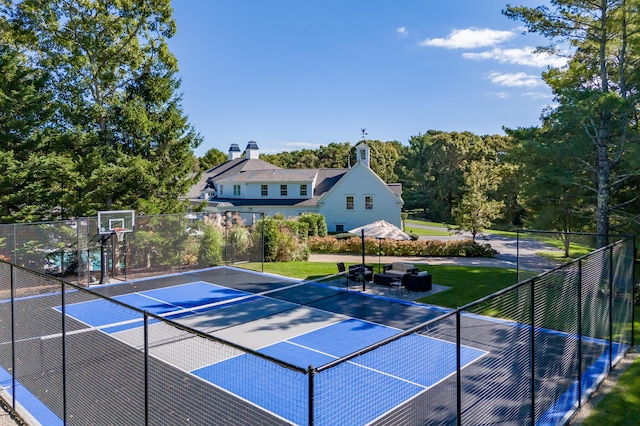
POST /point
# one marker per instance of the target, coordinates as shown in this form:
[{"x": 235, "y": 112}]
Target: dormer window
[
  {"x": 303, "y": 190},
  {"x": 236, "y": 190},
  {"x": 283, "y": 190}
]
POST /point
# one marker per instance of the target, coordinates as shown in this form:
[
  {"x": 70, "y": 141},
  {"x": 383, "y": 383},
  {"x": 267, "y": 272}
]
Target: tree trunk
[{"x": 603, "y": 192}]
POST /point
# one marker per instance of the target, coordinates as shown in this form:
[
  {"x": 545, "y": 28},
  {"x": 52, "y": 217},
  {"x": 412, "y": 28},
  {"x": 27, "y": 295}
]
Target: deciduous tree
[{"x": 477, "y": 210}]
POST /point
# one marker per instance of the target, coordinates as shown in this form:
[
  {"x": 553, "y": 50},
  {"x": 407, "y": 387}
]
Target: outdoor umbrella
[{"x": 380, "y": 229}]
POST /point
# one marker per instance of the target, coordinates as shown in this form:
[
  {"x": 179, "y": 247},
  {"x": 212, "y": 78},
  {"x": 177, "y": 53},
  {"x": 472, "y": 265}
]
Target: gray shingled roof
[
  {"x": 226, "y": 169},
  {"x": 396, "y": 188},
  {"x": 273, "y": 175}
]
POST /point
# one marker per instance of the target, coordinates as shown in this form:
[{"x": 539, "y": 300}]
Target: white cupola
[
  {"x": 363, "y": 153},
  {"x": 234, "y": 151},
  {"x": 252, "y": 150}
]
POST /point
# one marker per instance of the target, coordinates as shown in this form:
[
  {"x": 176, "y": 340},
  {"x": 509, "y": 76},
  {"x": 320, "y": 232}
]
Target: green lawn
[
  {"x": 427, "y": 232},
  {"x": 621, "y": 406},
  {"x": 466, "y": 283},
  {"x": 427, "y": 223}
]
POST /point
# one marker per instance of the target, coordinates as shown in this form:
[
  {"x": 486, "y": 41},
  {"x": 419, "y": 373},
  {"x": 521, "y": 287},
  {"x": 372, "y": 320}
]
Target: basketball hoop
[{"x": 120, "y": 233}]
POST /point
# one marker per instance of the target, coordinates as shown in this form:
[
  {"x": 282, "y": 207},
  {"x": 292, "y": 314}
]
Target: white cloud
[
  {"x": 518, "y": 56},
  {"x": 538, "y": 95},
  {"x": 518, "y": 79},
  {"x": 300, "y": 145},
  {"x": 470, "y": 38},
  {"x": 275, "y": 147},
  {"x": 402, "y": 31}
]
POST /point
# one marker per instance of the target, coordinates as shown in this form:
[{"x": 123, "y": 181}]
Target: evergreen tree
[
  {"x": 212, "y": 158},
  {"x": 114, "y": 81},
  {"x": 37, "y": 182}
]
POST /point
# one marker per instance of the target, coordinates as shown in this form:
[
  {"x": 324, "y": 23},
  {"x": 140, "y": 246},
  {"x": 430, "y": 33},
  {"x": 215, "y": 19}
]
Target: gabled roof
[{"x": 226, "y": 169}]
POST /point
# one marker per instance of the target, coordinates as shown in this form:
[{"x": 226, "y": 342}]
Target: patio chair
[
  {"x": 360, "y": 273},
  {"x": 342, "y": 271}
]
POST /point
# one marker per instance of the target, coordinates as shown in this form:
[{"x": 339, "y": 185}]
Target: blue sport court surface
[{"x": 336, "y": 336}]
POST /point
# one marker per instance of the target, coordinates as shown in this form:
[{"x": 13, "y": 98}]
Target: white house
[{"x": 347, "y": 198}]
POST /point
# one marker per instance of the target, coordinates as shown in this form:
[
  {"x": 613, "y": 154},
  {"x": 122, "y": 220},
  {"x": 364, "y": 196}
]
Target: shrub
[
  {"x": 210, "y": 252},
  {"x": 280, "y": 242},
  {"x": 317, "y": 223},
  {"x": 239, "y": 240},
  {"x": 270, "y": 230},
  {"x": 301, "y": 229},
  {"x": 344, "y": 236},
  {"x": 423, "y": 248},
  {"x": 289, "y": 247}
]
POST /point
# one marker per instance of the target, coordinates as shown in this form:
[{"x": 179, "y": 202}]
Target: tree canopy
[
  {"x": 597, "y": 95},
  {"x": 119, "y": 137}
]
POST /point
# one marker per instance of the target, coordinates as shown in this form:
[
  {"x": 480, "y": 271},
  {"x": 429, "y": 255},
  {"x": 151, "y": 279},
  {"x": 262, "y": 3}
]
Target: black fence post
[
  {"x": 532, "y": 353},
  {"x": 64, "y": 353},
  {"x": 146, "y": 368},
  {"x": 458, "y": 370},
  {"x": 262, "y": 238},
  {"x": 610, "y": 308},
  {"x": 518, "y": 256},
  {"x": 579, "y": 332},
  {"x": 13, "y": 336},
  {"x": 312, "y": 372}
]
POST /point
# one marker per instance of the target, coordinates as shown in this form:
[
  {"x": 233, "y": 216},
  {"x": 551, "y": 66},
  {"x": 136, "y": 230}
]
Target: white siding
[{"x": 360, "y": 182}]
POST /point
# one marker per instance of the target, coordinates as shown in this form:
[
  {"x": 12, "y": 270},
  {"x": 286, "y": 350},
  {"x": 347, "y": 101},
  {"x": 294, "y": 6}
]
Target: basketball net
[{"x": 120, "y": 233}]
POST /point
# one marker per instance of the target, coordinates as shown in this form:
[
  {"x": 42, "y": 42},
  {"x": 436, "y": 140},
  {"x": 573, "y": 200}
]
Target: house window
[
  {"x": 349, "y": 202},
  {"x": 339, "y": 228},
  {"x": 363, "y": 154},
  {"x": 283, "y": 190},
  {"x": 236, "y": 190},
  {"x": 264, "y": 190},
  {"x": 221, "y": 190},
  {"x": 303, "y": 190},
  {"x": 368, "y": 202}
]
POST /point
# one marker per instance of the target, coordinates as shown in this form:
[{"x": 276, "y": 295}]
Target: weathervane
[{"x": 364, "y": 132}]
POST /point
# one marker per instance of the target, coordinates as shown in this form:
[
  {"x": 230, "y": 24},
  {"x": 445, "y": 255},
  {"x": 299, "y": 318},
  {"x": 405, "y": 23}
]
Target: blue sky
[{"x": 295, "y": 74}]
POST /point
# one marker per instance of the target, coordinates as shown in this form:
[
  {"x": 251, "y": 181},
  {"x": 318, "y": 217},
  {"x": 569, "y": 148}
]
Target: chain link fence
[
  {"x": 530, "y": 354},
  {"x": 159, "y": 244}
]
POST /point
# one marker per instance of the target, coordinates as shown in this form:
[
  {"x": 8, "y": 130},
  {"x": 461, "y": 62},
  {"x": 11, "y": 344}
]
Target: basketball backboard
[{"x": 109, "y": 221}]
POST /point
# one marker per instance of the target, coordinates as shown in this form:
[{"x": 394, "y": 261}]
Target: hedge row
[{"x": 421, "y": 248}]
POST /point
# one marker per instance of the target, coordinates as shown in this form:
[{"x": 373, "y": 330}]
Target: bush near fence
[{"x": 423, "y": 248}]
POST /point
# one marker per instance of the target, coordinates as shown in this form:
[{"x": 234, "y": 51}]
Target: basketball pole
[{"x": 104, "y": 260}]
